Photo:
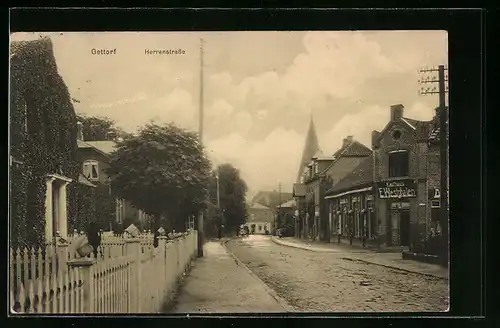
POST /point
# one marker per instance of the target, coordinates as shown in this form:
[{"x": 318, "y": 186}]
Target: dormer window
[{"x": 91, "y": 170}]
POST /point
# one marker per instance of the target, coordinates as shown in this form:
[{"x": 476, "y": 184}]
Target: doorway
[{"x": 404, "y": 228}]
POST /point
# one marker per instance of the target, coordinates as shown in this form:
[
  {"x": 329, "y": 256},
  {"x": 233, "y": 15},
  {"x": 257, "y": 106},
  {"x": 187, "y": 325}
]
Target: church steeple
[{"x": 311, "y": 147}]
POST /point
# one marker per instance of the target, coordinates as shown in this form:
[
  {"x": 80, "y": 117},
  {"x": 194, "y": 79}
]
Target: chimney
[
  {"x": 396, "y": 112},
  {"x": 79, "y": 131},
  {"x": 347, "y": 140}
]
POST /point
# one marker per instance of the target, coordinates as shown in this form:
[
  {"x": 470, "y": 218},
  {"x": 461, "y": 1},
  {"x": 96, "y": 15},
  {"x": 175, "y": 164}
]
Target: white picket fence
[{"x": 129, "y": 276}]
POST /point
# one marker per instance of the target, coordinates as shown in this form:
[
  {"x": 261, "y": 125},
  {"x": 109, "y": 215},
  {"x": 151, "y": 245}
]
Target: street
[{"x": 324, "y": 282}]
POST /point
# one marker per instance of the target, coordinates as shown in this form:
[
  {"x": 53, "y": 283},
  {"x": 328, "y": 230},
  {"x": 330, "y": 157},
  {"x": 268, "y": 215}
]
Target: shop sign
[
  {"x": 355, "y": 199},
  {"x": 369, "y": 197},
  {"x": 343, "y": 201},
  {"x": 434, "y": 193},
  {"x": 397, "y": 189}
]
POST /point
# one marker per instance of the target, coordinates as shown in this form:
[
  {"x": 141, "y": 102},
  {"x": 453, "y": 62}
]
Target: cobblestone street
[{"x": 325, "y": 282}]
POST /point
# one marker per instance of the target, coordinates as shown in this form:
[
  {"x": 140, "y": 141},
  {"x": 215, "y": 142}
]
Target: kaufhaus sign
[{"x": 397, "y": 189}]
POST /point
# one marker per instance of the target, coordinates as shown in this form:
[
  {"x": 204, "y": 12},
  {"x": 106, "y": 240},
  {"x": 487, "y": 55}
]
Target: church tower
[{"x": 311, "y": 147}]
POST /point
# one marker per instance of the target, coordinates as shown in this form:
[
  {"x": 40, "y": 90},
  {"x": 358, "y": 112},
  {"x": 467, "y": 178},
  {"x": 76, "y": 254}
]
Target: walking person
[{"x": 94, "y": 237}]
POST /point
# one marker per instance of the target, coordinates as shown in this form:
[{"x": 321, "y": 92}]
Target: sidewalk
[
  {"x": 390, "y": 260},
  {"x": 218, "y": 283}
]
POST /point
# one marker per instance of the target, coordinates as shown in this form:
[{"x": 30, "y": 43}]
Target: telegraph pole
[
  {"x": 218, "y": 190},
  {"x": 441, "y": 90},
  {"x": 278, "y": 217},
  {"x": 200, "y": 136}
]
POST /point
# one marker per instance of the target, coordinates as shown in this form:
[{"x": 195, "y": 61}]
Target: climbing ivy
[{"x": 43, "y": 138}]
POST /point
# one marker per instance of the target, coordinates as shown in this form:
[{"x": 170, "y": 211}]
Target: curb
[
  {"x": 284, "y": 304},
  {"x": 310, "y": 249},
  {"x": 359, "y": 260}
]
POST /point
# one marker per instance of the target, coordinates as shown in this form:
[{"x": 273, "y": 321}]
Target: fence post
[
  {"x": 85, "y": 266},
  {"x": 162, "y": 245},
  {"x": 133, "y": 249},
  {"x": 62, "y": 255}
]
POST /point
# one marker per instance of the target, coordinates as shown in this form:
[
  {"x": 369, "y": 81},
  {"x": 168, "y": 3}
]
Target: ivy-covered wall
[{"x": 43, "y": 138}]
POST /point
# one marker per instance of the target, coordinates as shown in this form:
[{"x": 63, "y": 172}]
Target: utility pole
[
  {"x": 200, "y": 136},
  {"x": 278, "y": 217},
  {"x": 218, "y": 190},
  {"x": 441, "y": 90}
]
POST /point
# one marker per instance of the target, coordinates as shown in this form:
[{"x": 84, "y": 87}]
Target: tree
[
  {"x": 232, "y": 192},
  {"x": 163, "y": 171},
  {"x": 96, "y": 128}
]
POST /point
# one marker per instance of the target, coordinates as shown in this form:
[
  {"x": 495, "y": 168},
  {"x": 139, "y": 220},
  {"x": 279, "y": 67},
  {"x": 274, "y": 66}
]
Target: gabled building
[
  {"x": 350, "y": 206},
  {"x": 260, "y": 218},
  {"x": 392, "y": 198},
  {"x": 323, "y": 173},
  {"x": 95, "y": 156}
]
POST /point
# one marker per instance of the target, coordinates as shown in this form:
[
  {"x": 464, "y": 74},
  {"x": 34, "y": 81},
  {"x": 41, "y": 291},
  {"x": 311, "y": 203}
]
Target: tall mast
[{"x": 200, "y": 129}]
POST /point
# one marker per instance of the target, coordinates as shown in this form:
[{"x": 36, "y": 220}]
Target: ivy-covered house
[{"x": 48, "y": 193}]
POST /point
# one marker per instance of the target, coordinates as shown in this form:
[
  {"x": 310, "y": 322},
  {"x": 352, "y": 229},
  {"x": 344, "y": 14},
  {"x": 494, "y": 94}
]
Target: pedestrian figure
[
  {"x": 94, "y": 237},
  {"x": 155, "y": 238}
]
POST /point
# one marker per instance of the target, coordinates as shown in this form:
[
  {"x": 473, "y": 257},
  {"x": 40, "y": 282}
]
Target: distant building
[
  {"x": 271, "y": 199},
  {"x": 260, "y": 218},
  {"x": 95, "y": 157}
]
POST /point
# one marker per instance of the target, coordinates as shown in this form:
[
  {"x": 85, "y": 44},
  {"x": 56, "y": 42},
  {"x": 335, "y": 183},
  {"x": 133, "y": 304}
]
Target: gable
[{"x": 408, "y": 133}]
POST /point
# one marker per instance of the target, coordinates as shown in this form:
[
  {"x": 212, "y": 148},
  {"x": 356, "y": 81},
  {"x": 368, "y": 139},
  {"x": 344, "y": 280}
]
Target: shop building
[
  {"x": 400, "y": 180},
  {"x": 351, "y": 207},
  {"x": 319, "y": 176}
]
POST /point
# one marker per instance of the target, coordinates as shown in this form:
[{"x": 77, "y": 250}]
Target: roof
[
  {"x": 318, "y": 154},
  {"x": 259, "y": 207},
  {"x": 83, "y": 180},
  {"x": 361, "y": 175},
  {"x": 289, "y": 204},
  {"x": 105, "y": 147},
  {"x": 412, "y": 123},
  {"x": 271, "y": 198},
  {"x": 353, "y": 149},
  {"x": 311, "y": 147},
  {"x": 299, "y": 190}
]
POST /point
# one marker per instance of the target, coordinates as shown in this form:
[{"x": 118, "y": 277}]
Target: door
[{"x": 404, "y": 228}]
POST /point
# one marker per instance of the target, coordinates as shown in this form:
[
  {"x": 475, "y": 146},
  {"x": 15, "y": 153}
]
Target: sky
[{"x": 259, "y": 88}]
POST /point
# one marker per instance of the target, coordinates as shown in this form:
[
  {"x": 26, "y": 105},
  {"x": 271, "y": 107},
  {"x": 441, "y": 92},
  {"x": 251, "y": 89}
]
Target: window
[
  {"x": 260, "y": 228},
  {"x": 91, "y": 170},
  {"x": 398, "y": 164},
  {"x": 396, "y": 134}
]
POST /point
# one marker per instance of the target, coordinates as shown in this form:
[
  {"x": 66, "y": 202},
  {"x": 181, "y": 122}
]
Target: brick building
[
  {"x": 400, "y": 178},
  {"x": 391, "y": 199}
]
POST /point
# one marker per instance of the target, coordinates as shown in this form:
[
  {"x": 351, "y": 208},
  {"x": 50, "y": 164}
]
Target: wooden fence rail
[{"x": 129, "y": 276}]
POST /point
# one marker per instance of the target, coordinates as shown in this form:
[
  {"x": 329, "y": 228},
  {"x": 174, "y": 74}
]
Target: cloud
[
  {"x": 263, "y": 163},
  {"x": 362, "y": 123},
  {"x": 260, "y": 87}
]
